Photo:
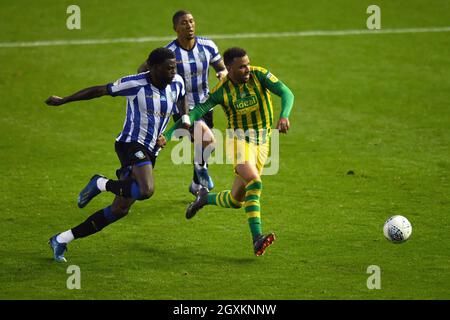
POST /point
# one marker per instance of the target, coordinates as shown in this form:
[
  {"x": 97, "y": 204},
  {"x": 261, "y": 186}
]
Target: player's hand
[
  {"x": 161, "y": 141},
  {"x": 54, "y": 101},
  {"x": 221, "y": 74},
  {"x": 283, "y": 125}
]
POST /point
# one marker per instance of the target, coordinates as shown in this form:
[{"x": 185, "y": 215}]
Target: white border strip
[{"x": 223, "y": 36}]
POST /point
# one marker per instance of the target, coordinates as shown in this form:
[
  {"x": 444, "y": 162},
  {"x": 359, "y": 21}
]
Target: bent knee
[
  {"x": 146, "y": 192},
  {"x": 253, "y": 179},
  {"x": 235, "y": 202},
  {"x": 237, "y": 205},
  {"x": 120, "y": 211},
  {"x": 208, "y": 135},
  {"x": 209, "y": 139}
]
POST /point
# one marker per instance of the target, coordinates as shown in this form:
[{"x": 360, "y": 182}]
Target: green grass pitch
[{"x": 374, "y": 104}]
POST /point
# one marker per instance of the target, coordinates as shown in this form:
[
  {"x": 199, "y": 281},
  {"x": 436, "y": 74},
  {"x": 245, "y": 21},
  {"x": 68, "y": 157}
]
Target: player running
[
  {"x": 152, "y": 98},
  {"x": 194, "y": 55},
  {"x": 245, "y": 98}
]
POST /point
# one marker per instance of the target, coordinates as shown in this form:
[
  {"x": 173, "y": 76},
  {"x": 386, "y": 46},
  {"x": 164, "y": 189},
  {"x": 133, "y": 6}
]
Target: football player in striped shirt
[
  {"x": 194, "y": 55},
  {"x": 245, "y": 96},
  {"x": 152, "y": 98}
]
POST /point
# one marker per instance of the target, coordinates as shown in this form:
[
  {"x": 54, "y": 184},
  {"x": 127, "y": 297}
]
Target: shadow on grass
[{"x": 188, "y": 256}]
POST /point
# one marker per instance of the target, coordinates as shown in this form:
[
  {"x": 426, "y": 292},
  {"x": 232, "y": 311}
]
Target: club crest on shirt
[{"x": 140, "y": 155}]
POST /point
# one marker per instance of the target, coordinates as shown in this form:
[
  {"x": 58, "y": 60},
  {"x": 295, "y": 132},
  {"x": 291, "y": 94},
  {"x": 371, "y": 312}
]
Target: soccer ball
[{"x": 397, "y": 229}]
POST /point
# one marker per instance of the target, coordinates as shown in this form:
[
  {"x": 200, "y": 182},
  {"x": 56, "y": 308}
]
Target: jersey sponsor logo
[
  {"x": 140, "y": 155},
  {"x": 192, "y": 60},
  {"x": 271, "y": 77},
  {"x": 246, "y": 104},
  {"x": 158, "y": 114},
  {"x": 193, "y": 75}
]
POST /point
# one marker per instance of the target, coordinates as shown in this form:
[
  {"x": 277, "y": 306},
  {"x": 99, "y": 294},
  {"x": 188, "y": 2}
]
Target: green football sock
[
  {"x": 252, "y": 207},
  {"x": 223, "y": 199}
]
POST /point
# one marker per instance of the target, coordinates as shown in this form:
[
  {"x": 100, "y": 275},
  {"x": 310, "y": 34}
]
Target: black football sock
[
  {"x": 124, "y": 188},
  {"x": 195, "y": 177},
  {"x": 120, "y": 188},
  {"x": 94, "y": 223}
]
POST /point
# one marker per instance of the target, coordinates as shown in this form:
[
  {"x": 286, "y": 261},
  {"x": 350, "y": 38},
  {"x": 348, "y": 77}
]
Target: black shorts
[{"x": 133, "y": 153}]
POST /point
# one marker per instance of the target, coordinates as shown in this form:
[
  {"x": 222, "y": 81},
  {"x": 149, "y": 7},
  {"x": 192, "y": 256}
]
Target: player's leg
[
  {"x": 135, "y": 159},
  {"x": 246, "y": 191},
  {"x": 136, "y": 183},
  {"x": 224, "y": 198},
  {"x": 233, "y": 198},
  {"x": 102, "y": 218},
  {"x": 250, "y": 174},
  {"x": 143, "y": 177},
  {"x": 252, "y": 192},
  {"x": 93, "y": 224},
  {"x": 249, "y": 161},
  {"x": 203, "y": 146}
]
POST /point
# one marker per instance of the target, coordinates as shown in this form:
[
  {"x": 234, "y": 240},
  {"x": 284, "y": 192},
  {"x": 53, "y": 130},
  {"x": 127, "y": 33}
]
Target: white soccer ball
[{"x": 397, "y": 229}]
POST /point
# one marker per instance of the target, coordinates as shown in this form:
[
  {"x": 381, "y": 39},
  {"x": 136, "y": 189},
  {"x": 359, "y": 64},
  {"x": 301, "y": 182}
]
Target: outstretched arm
[{"x": 85, "y": 94}]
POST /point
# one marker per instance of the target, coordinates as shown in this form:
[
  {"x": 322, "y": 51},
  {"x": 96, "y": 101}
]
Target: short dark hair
[
  {"x": 159, "y": 55},
  {"x": 176, "y": 17},
  {"x": 231, "y": 53}
]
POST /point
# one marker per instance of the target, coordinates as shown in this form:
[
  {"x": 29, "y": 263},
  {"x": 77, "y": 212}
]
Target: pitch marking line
[{"x": 316, "y": 33}]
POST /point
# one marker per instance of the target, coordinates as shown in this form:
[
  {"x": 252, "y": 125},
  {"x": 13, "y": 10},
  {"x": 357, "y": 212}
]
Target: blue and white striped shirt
[
  {"x": 148, "y": 108},
  {"x": 193, "y": 66}
]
